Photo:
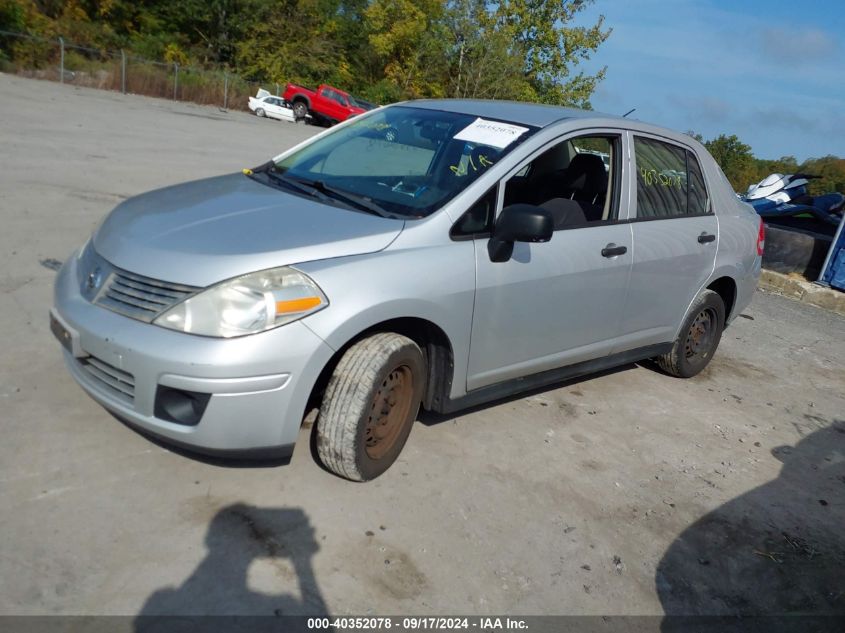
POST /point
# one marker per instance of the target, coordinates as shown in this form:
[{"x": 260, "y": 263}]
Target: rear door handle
[
  {"x": 704, "y": 238},
  {"x": 612, "y": 250}
]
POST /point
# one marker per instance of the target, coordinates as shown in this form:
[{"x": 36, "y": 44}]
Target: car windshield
[{"x": 402, "y": 161}]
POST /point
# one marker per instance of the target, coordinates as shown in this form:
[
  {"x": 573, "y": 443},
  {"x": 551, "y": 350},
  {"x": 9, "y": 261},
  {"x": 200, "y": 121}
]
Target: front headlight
[{"x": 247, "y": 304}]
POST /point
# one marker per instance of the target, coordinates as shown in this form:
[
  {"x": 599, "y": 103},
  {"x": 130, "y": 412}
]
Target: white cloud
[
  {"x": 795, "y": 46},
  {"x": 692, "y": 64},
  {"x": 702, "y": 108}
]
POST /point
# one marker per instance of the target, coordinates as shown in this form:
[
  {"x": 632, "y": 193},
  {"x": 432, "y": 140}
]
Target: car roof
[
  {"x": 541, "y": 115},
  {"x": 534, "y": 114}
]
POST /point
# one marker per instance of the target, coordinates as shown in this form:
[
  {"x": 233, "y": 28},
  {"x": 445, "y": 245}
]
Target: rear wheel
[
  {"x": 260, "y": 112},
  {"x": 698, "y": 339},
  {"x": 370, "y": 405}
]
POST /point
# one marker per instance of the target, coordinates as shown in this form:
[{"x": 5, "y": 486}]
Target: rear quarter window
[{"x": 698, "y": 201}]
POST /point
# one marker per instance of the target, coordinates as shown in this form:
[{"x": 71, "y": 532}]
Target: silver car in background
[{"x": 482, "y": 249}]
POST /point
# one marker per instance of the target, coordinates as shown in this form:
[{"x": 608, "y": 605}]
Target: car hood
[{"x": 205, "y": 231}]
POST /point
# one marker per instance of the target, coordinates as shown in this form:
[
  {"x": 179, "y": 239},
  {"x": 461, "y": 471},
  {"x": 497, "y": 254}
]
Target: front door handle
[
  {"x": 704, "y": 238},
  {"x": 612, "y": 250}
]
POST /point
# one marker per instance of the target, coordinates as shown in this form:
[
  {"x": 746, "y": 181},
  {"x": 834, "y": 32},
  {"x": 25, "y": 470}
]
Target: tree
[
  {"x": 481, "y": 63},
  {"x": 735, "y": 159},
  {"x": 297, "y": 42},
  {"x": 743, "y": 169},
  {"x": 407, "y": 39},
  {"x": 832, "y": 172},
  {"x": 525, "y": 50},
  {"x": 550, "y": 48},
  {"x": 213, "y": 29},
  {"x": 387, "y": 50},
  {"x": 24, "y": 16}
]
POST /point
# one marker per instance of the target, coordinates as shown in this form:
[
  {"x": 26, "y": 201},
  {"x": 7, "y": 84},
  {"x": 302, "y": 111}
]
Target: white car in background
[{"x": 266, "y": 105}]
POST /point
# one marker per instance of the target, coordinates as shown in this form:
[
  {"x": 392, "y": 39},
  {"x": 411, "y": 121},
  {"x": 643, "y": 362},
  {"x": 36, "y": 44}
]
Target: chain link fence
[{"x": 58, "y": 60}]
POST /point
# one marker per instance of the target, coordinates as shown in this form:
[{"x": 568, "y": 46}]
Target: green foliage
[
  {"x": 213, "y": 29},
  {"x": 550, "y": 47},
  {"x": 735, "y": 159},
  {"x": 481, "y": 64},
  {"x": 743, "y": 169},
  {"x": 23, "y": 16},
  {"x": 406, "y": 38},
  {"x": 521, "y": 49},
  {"x": 295, "y": 43},
  {"x": 12, "y": 16},
  {"x": 385, "y": 50},
  {"x": 832, "y": 172}
]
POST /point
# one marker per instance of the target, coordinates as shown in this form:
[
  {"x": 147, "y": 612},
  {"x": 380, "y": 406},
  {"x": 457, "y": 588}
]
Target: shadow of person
[
  {"x": 238, "y": 536},
  {"x": 776, "y": 550}
]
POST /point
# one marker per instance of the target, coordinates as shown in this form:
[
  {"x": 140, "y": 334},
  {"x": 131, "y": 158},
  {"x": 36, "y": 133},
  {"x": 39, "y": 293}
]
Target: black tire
[
  {"x": 370, "y": 405},
  {"x": 300, "y": 110},
  {"x": 698, "y": 339},
  {"x": 260, "y": 112}
]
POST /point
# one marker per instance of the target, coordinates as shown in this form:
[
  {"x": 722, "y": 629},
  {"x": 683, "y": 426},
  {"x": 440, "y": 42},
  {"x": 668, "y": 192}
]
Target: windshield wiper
[
  {"x": 319, "y": 189},
  {"x": 293, "y": 183},
  {"x": 345, "y": 196}
]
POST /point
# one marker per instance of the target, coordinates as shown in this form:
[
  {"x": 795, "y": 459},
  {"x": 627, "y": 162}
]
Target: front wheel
[
  {"x": 370, "y": 405},
  {"x": 698, "y": 339},
  {"x": 300, "y": 110}
]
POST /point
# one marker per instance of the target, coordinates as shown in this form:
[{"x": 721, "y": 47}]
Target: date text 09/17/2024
[{"x": 430, "y": 623}]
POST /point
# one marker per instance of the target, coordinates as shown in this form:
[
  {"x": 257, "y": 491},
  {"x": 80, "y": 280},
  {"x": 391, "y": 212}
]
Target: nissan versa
[{"x": 434, "y": 253}]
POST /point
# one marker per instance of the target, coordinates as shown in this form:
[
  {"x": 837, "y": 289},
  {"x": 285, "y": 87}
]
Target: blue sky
[{"x": 770, "y": 71}]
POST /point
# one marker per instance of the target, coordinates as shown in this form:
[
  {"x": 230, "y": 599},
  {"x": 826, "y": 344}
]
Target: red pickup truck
[{"x": 326, "y": 105}]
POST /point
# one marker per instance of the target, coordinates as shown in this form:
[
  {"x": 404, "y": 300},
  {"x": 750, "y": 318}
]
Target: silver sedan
[{"x": 484, "y": 249}]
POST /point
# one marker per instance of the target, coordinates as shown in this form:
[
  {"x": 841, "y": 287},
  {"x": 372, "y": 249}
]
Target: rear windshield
[{"x": 409, "y": 161}]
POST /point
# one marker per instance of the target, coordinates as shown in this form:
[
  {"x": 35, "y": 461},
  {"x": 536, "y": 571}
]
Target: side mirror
[{"x": 519, "y": 223}]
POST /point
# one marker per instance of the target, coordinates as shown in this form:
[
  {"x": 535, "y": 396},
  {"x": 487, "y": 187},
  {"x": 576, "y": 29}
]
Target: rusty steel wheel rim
[
  {"x": 700, "y": 334},
  {"x": 389, "y": 411}
]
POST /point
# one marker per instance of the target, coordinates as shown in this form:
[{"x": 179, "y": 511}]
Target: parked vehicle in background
[
  {"x": 800, "y": 227},
  {"x": 327, "y": 105},
  {"x": 271, "y": 106},
  {"x": 782, "y": 199},
  {"x": 478, "y": 252}
]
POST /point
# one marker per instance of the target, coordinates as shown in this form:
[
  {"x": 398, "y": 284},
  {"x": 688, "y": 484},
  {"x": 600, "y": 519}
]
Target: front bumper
[{"x": 260, "y": 384}]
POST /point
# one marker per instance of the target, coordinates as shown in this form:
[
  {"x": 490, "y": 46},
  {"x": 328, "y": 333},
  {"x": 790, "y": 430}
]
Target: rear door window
[
  {"x": 670, "y": 183},
  {"x": 661, "y": 179}
]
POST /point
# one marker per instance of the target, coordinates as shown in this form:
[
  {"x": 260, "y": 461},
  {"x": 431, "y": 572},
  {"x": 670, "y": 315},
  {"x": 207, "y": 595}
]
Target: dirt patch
[
  {"x": 722, "y": 366},
  {"x": 390, "y": 569},
  {"x": 568, "y": 409}
]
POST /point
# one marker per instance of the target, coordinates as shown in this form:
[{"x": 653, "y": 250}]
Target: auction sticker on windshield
[{"x": 491, "y": 133}]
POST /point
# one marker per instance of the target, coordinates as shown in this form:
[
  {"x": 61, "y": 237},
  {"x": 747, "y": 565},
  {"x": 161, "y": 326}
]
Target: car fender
[
  {"x": 433, "y": 284},
  {"x": 300, "y": 96}
]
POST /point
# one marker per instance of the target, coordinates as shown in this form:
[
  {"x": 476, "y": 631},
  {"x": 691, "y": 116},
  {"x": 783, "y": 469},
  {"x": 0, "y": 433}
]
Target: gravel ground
[{"x": 625, "y": 493}]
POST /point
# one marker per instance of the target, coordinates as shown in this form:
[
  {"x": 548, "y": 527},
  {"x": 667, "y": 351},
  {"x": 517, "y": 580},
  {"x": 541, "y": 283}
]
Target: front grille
[
  {"x": 115, "y": 381},
  {"x": 140, "y": 297}
]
